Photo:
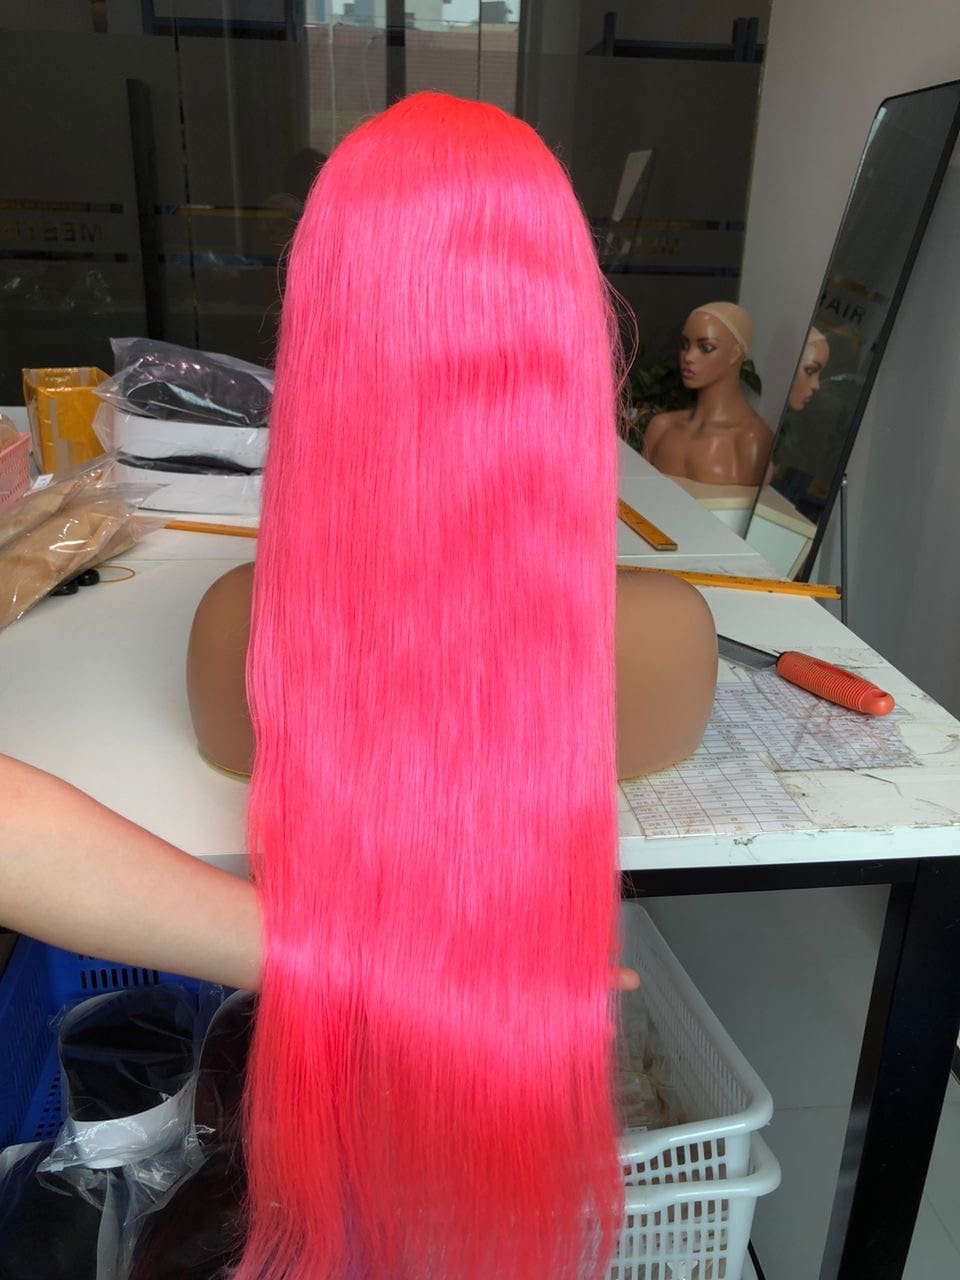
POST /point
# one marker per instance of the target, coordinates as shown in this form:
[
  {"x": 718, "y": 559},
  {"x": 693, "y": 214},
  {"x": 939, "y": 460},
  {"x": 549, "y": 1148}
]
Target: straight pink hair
[{"x": 432, "y": 814}]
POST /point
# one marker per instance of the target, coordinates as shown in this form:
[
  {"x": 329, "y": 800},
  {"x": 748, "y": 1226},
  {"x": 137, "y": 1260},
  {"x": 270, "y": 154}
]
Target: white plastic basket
[
  {"x": 719, "y": 1089},
  {"x": 693, "y": 1230},
  {"x": 676, "y": 1228}
]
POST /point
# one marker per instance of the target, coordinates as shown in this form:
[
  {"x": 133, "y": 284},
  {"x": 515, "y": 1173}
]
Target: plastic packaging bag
[
  {"x": 89, "y": 524},
  {"x": 197, "y": 1230},
  {"x": 161, "y": 380},
  {"x": 49, "y": 1227},
  {"x": 201, "y": 467},
  {"x": 139, "y": 1170},
  {"x": 646, "y": 1087},
  {"x": 197, "y": 447},
  {"x": 127, "y": 1062}
]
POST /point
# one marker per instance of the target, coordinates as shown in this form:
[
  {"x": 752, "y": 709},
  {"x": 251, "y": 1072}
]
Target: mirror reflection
[{"x": 896, "y": 184}]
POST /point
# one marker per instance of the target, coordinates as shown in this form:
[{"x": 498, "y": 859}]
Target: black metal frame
[
  {"x": 744, "y": 45},
  {"x": 907, "y": 1051}
]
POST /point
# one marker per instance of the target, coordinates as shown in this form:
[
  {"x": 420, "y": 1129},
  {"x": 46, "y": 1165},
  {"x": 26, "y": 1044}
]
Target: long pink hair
[{"x": 432, "y": 813}]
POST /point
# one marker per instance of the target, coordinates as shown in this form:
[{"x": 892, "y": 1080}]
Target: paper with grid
[
  {"x": 761, "y": 726},
  {"x": 798, "y": 730}
]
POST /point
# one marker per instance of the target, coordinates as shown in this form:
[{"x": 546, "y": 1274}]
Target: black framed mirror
[{"x": 894, "y": 190}]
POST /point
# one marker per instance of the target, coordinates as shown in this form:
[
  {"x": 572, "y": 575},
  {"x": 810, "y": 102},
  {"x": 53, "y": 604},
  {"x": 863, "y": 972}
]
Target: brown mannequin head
[
  {"x": 666, "y": 656},
  {"x": 216, "y": 672},
  {"x": 806, "y": 382},
  {"x": 715, "y": 341}
]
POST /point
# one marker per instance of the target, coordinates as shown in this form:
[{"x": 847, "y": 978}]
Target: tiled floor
[{"x": 789, "y": 976}]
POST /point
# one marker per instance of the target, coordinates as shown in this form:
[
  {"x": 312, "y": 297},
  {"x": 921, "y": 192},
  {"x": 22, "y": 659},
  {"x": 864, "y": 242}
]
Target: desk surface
[
  {"x": 93, "y": 690},
  {"x": 696, "y": 532}
]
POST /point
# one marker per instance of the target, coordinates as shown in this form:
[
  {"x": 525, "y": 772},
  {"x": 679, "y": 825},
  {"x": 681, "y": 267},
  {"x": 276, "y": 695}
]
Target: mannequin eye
[{"x": 707, "y": 347}]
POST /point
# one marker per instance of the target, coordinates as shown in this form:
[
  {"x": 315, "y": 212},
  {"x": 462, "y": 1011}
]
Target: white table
[{"x": 93, "y": 690}]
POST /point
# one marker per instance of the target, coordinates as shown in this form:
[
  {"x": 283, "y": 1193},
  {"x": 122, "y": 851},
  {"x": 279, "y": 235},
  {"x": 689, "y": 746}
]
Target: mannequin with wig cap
[
  {"x": 721, "y": 440},
  {"x": 806, "y": 380}
]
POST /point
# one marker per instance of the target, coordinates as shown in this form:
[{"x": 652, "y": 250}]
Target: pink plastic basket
[{"x": 14, "y": 471}]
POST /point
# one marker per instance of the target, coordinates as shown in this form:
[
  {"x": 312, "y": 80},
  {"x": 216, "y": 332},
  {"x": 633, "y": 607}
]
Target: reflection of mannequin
[
  {"x": 806, "y": 381},
  {"x": 721, "y": 440},
  {"x": 666, "y": 672}
]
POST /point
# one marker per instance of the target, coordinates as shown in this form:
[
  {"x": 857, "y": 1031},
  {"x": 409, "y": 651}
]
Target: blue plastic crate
[{"x": 38, "y": 982}]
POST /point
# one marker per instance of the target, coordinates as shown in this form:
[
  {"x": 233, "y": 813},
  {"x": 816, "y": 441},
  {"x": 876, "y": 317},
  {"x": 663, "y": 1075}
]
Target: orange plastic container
[{"x": 60, "y": 406}]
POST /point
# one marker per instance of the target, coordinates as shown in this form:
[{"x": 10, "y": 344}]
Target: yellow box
[{"x": 60, "y": 406}]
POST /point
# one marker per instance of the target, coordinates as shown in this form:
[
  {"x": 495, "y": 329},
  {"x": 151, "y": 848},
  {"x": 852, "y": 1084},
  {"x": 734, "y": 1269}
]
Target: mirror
[{"x": 894, "y": 190}]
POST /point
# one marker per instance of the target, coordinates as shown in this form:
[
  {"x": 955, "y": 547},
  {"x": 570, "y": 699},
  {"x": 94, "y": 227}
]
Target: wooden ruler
[
  {"x": 818, "y": 590},
  {"x": 647, "y": 531},
  {"x": 201, "y": 526},
  {"x": 775, "y": 585}
]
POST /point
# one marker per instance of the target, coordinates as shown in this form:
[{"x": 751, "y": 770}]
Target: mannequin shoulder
[
  {"x": 753, "y": 438},
  {"x": 754, "y": 428},
  {"x": 660, "y": 424},
  {"x": 670, "y": 601},
  {"x": 664, "y": 421}
]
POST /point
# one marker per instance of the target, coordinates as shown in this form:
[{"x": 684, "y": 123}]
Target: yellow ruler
[
  {"x": 647, "y": 531},
  {"x": 818, "y": 590},
  {"x": 202, "y": 526}
]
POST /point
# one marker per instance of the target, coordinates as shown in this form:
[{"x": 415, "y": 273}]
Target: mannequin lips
[{"x": 687, "y": 374}]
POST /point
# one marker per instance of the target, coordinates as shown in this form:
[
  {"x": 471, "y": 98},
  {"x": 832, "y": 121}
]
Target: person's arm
[{"x": 75, "y": 874}]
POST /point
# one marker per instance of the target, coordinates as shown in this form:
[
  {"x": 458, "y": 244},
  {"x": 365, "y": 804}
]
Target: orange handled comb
[{"x": 834, "y": 683}]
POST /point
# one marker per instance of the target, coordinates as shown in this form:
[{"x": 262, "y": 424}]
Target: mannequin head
[
  {"x": 714, "y": 343},
  {"x": 806, "y": 382}
]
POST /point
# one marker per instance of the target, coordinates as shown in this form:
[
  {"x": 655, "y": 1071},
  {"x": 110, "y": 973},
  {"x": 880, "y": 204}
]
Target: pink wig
[{"x": 432, "y": 813}]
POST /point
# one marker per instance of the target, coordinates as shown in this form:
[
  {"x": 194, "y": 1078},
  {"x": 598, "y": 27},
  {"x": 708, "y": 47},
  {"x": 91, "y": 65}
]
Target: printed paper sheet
[{"x": 761, "y": 726}]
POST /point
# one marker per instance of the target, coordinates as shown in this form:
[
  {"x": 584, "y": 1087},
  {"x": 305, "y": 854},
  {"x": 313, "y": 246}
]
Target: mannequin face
[
  {"x": 806, "y": 383},
  {"x": 708, "y": 351}
]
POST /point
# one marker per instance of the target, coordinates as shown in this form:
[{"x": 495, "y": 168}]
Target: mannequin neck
[{"x": 721, "y": 400}]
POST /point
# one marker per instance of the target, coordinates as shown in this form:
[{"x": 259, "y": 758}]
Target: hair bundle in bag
[{"x": 432, "y": 812}]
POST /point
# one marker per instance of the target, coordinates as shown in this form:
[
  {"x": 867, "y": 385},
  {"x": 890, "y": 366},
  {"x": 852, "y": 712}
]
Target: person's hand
[{"x": 627, "y": 980}]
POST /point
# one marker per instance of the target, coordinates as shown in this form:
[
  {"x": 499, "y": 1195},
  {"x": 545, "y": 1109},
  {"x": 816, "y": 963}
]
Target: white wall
[{"x": 828, "y": 67}]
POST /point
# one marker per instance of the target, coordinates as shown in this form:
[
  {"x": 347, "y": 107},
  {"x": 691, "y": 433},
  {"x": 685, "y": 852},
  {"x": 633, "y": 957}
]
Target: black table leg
[{"x": 904, "y": 1067}]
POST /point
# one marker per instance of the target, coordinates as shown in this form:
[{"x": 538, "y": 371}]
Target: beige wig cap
[{"x": 733, "y": 318}]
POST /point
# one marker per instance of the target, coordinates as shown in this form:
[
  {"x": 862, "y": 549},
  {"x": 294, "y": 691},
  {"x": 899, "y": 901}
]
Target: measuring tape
[{"x": 647, "y": 531}]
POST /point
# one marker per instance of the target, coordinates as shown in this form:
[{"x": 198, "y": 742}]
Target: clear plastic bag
[
  {"x": 200, "y": 448},
  {"x": 195, "y": 1231},
  {"x": 70, "y": 527},
  {"x": 161, "y": 380},
  {"x": 128, "y": 1069},
  {"x": 50, "y": 1226},
  {"x": 646, "y": 1086},
  {"x": 146, "y": 1177}
]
